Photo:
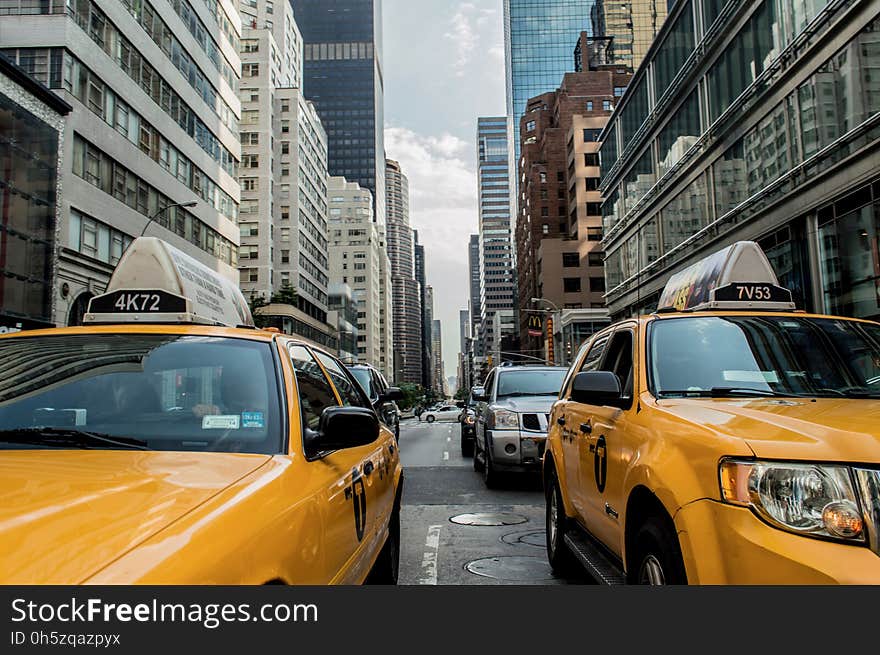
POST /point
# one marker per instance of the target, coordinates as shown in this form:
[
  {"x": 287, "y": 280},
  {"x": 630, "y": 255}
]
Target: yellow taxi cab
[
  {"x": 725, "y": 439},
  {"x": 168, "y": 441}
]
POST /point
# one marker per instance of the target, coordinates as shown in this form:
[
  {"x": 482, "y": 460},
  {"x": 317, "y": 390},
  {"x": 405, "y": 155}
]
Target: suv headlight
[
  {"x": 810, "y": 499},
  {"x": 469, "y": 420},
  {"x": 502, "y": 419}
]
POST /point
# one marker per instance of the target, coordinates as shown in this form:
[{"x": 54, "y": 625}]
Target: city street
[{"x": 441, "y": 485}]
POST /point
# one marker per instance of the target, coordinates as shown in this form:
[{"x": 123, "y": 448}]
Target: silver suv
[{"x": 512, "y": 414}]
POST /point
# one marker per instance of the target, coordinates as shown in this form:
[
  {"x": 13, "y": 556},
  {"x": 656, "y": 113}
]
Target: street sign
[{"x": 536, "y": 326}]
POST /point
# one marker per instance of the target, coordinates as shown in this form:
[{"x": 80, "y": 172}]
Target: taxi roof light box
[
  {"x": 735, "y": 278},
  {"x": 154, "y": 282}
]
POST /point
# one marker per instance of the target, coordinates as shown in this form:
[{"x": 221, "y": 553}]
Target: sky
[{"x": 443, "y": 68}]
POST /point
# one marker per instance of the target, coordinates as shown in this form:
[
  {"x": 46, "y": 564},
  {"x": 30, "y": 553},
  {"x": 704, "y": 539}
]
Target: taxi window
[
  {"x": 591, "y": 362},
  {"x": 764, "y": 355},
  {"x": 315, "y": 392},
  {"x": 349, "y": 390},
  {"x": 160, "y": 392}
]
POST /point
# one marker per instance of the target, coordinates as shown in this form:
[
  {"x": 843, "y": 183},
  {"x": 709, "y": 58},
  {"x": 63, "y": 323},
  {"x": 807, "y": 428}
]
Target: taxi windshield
[
  {"x": 145, "y": 391},
  {"x": 753, "y": 356}
]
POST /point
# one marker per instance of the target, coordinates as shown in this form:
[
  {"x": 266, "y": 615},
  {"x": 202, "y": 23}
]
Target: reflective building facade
[
  {"x": 771, "y": 135},
  {"x": 343, "y": 77}
]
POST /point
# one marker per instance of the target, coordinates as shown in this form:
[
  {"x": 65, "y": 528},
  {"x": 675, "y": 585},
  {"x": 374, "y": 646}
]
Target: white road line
[
  {"x": 429, "y": 559},
  {"x": 448, "y": 439},
  {"x": 445, "y": 454}
]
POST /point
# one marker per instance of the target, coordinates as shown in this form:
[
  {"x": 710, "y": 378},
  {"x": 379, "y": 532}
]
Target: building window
[
  {"x": 594, "y": 209},
  {"x": 250, "y": 45},
  {"x": 591, "y": 159},
  {"x": 606, "y": 105},
  {"x": 250, "y": 184},
  {"x": 571, "y": 284},
  {"x": 619, "y": 91},
  {"x": 285, "y": 256},
  {"x": 545, "y": 229},
  {"x": 597, "y": 284},
  {"x": 250, "y": 161},
  {"x": 591, "y": 183},
  {"x": 285, "y": 147},
  {"x": 591, "y": 135},
  {"x": 530, "y": 126},
  {"x": 589, "y": 105},
  {"x": 596, "y": 259},
  {"x": 594, "y": 234},
  {"x": 571, "y": 260},
  {"x": 250, "y": 70}
]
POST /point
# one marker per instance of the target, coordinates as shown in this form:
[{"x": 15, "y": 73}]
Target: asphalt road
[{"x": 443, "y": 496}]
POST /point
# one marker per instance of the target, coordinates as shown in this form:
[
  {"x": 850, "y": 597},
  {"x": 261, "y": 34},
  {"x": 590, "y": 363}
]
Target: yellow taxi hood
[
  {"x": 843, "y": 430},
  {"x": 67, "y": 514}
]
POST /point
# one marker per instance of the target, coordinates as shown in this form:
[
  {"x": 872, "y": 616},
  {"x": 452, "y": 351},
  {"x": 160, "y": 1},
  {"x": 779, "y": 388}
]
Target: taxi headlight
[
  {"x": 503, "y": 419},
  {"x": 810, "y": 499}
]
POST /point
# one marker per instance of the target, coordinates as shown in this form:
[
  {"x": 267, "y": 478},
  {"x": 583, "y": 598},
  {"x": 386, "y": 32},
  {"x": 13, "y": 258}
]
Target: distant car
[
  {"x": 442, "y": 413},
  {"x": 380, "y": 393},
  {"x": 512, "y": 418}
]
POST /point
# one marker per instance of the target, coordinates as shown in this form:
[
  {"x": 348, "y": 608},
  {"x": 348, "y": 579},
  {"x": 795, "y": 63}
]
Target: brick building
[{"x": 559, "y": 223}]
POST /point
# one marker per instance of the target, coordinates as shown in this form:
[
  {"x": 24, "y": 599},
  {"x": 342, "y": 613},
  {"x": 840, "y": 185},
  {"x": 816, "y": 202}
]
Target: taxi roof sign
[
  {"x": 737, "y": 277},
  {"x": 154, "y": 282}
]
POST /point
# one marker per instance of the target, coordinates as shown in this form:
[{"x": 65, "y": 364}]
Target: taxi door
[
  {"x": 371, "y": 485},
  {"x": 337, "y": 475},
  {"x": 604, "y": 455},
  {"x": 571, "y": 417}
]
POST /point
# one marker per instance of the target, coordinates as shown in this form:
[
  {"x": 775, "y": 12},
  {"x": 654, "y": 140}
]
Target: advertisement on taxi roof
[{"x": 692, "y": 286}]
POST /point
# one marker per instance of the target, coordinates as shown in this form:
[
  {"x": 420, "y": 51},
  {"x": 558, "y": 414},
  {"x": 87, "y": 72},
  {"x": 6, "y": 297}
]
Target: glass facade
[
  {"x": 833, "y": 111},
  {"x": 343, "y": 78},
  {"x": 540, "y": 37},
  {"x": 632, "y": 24},
  {"x": 28, "y": 183}
]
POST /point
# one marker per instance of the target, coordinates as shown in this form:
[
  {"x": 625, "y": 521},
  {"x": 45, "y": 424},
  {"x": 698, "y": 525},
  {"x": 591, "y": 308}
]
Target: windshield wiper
[
  {"x": 60, "y": 437},
  {"x": 727, "y": 392}
]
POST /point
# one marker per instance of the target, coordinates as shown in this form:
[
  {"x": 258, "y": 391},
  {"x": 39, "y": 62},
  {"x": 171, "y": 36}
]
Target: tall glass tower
[
  {"x": 539, "y": 41},
  {"x": 343, "y": 78}
]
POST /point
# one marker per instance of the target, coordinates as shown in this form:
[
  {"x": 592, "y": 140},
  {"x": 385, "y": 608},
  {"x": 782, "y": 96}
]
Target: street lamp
[{"x": 191, "y": 203}]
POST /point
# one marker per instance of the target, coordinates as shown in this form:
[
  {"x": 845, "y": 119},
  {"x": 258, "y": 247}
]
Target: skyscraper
[
  {"x": 632, "y": 24},
  {"x": 406, "y": 300},
  {"x": 426, "y": 310},
  {"x": 343, "y": 77},
  {"x": 474, "y": 269},
  {"x": 497, "y": 278},
  {"x": 538, "y": 42}
]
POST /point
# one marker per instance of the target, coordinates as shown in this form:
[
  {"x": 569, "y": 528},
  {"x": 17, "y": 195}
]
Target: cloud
[
  {"x": 463, "y": 34},
  {"x": 443, "y": 208},
  {"x": 496, "y": 54}
]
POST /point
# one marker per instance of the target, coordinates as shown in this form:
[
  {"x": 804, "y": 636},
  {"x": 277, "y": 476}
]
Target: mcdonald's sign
[
  {"x": 536, "y": 326},
  {"x": 551, "y": 355}
]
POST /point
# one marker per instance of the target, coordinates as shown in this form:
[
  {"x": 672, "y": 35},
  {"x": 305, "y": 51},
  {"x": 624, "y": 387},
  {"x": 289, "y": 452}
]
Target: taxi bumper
[
  {"x": 724, "y": 544},
  {"x": 517, "y": 450}
]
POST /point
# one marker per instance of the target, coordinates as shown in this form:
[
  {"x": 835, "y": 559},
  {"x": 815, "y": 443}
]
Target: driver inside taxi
[{"x": 239, "y": 392}]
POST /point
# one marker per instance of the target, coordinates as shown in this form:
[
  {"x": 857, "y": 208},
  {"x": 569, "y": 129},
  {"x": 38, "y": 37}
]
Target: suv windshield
[
  {"x": 157, "y": 392},
  {"x": 538, "y": 382},
  {"x": 362, "y": 375},
  {"x": 764, "y": 356}
]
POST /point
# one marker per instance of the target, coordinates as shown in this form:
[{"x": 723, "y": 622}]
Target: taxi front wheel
[
  {"x": 385, "y": 570},
  {"x": 561, "y": 560},
  {"x": 657, "y": 558}
]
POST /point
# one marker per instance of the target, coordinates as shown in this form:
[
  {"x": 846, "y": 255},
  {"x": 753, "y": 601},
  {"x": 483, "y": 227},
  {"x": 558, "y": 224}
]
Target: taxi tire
[
  {"x": 561, "y": 559},
  {"x": 657, "y": 539},
  {"x": 385, "y": 570}
]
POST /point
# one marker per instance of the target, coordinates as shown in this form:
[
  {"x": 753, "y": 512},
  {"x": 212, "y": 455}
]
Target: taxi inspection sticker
[
  {"x": 252, "y": 420},
  {"x": 222, "y": 422}
]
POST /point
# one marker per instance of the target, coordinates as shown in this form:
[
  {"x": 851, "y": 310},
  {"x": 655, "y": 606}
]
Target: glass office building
[
  {"x": 539, "y": 41},
  {"x": 343, "y": 78},
  {"x": 750, "y": 120}
]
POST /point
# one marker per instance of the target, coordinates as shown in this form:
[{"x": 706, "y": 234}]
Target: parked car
[
  {"x": 441, "y": 413},
  {"x": 512, "y": 416},
  {"x": 468, "y": 420},
  {"x": 381, "y": 395}
]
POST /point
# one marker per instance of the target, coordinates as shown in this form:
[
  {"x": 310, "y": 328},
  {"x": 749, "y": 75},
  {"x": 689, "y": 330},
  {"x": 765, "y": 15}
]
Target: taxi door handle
[
  {"x": 586, "y": 428},
  {"x": 368, "y": 468},
  {"x": 561, "y": 420}
]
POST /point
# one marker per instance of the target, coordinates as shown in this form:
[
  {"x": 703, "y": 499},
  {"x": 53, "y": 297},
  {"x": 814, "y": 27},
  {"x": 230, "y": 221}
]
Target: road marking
[
  {"x": 445, "y": 454},
  {"x": 448, "y": 439},
  {"x": 429, "y": 559}
]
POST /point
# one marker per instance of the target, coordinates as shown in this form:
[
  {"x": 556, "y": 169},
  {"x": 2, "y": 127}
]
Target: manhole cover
[
  {"x": 535, "y": 538},
  {"x": 489, "y": 518},
  {"x": 523, "y": 569}
]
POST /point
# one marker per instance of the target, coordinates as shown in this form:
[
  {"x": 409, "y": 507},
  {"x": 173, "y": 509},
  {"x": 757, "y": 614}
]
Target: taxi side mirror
[
  {"x": 391, "y": 393},
  {"x": 343, "y": 427},
  {"x": 598, "y": 388}
]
